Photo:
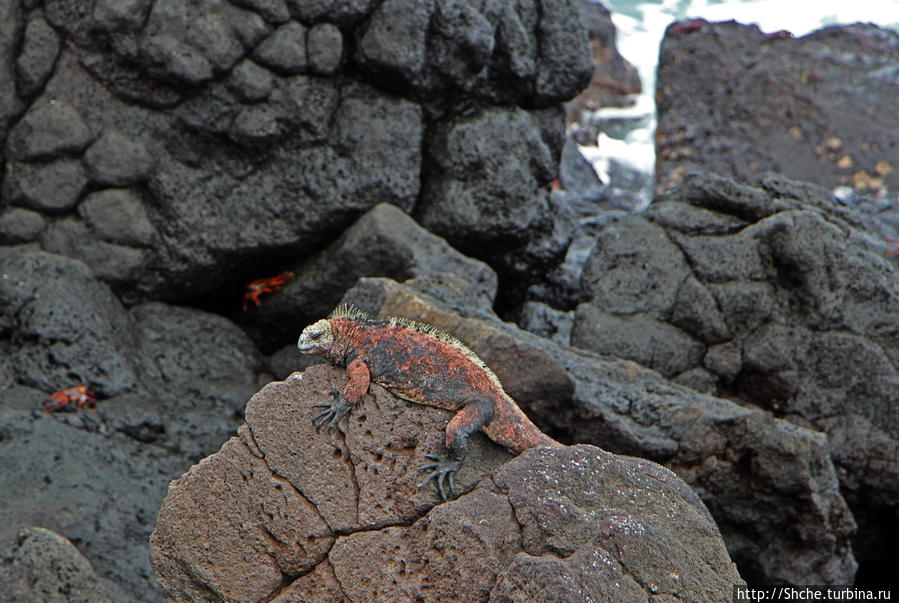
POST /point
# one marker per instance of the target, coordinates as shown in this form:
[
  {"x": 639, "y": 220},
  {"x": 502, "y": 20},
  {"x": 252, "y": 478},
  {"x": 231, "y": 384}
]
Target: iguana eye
[{"x": 315, "y": 335}]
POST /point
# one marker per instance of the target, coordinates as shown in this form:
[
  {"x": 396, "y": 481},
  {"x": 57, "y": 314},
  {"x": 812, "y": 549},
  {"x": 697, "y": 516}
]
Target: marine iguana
[{"x": 422, "y": 364}]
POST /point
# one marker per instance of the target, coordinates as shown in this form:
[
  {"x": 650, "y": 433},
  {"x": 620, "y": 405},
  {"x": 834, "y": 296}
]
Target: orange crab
[
  {"x": 265, "y": 285},
  {"x": 77, "y": 395}
]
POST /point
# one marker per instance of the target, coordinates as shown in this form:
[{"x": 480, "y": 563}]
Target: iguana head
[{"x": 316, "y": 338}]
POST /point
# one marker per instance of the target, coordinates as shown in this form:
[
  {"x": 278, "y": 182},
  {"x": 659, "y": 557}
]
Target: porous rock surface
[
  {"x": 287, "y": 514},
  {"x": 181, "y": 150},
  {"x": 256, "y": 131},
  {"x": 171, "y": 383},
  {"x": 44, "y": 566},
  {"x": 770, "y": 485},
  {"x": 771, "y": 294},
  {"x": 819, "y": 108}
]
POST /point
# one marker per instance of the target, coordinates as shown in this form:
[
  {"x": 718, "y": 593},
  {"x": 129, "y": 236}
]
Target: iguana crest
[{"x": 350, "y": 311}]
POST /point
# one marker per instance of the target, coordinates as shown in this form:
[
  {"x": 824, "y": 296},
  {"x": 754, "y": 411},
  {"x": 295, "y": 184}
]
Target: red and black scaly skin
[{"x": 424, "y": 365}]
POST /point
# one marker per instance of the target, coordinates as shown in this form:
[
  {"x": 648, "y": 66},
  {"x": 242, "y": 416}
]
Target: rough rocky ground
[
  {"x": 776, "y": 296},
  {"x": 45, "y": 566},
  {"x": 813, "y": 337},
  {"x": 157, "y": 156},
  {"x": 178, "y": 148},
  {"x": 739, "y": 103},
  {"x": 284, "y": 513}
]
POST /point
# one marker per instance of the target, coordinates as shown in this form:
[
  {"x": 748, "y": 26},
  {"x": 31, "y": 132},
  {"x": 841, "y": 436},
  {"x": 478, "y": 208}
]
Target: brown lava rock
[{"x": 284, "y": 513}]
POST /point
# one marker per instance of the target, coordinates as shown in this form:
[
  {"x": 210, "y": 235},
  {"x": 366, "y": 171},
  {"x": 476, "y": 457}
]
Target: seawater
[{"x": 641, "y": 25}]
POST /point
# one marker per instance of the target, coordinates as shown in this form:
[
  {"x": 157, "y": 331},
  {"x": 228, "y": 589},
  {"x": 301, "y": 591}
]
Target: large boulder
[
  {"x": 156, "y": 151},
  {"x": 62, "y": 325},
  {"x": 283, "y": 512},
  {"x": 771, "y": 294},
  {"x": 770, "y": 484},
  {"x": 253, "y": 133},
  {"x": 738, "y": 102},
  {"x": 496, "y": 51},
  {"x": 488, "y": 192}
]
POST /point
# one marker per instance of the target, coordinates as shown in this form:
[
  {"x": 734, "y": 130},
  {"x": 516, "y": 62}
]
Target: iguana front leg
[
  {"x": 359, "y": 380},
  {"x": 471, "y": 418}
]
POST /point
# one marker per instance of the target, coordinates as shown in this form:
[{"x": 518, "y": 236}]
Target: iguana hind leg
[{"x": 471, "y": 418}]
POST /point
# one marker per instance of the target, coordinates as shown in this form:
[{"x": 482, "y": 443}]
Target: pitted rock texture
[
  {"x": 770, "y": 485},
  {"x": 284, "y": 513},
  {"x": 257, "y": 130},
  {"x": 771, "y": 294},
  {"x": 159, "y": 151},
  {"x": 819, "y": 108},
  {"x": 61, "y": 324},
  {"x": 44, "y": 566},
  {"x": 460, "y": 202}
]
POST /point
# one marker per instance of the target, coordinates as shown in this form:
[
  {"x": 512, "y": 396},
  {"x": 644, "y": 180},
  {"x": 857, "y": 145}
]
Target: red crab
[
  {"x": 77, "y": 395},
  {"x": 265, "y": 285},
  {"x": 783, "y": 34},
  {"x": 685, "y": 27},
  {"x": 893, "y": 244}
]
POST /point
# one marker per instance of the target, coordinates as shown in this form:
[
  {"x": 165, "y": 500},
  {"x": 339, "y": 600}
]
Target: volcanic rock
[
  {"x": 819, "y": 108},
  {"x": 746, "y": 465},
  {"x": 284, "y": 512},
  {"x": 782, "y": 299},
  {"x": 47, "y": 567}
]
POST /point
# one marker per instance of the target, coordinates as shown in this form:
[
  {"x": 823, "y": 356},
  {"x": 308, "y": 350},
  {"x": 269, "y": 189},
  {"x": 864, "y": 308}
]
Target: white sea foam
[{"x": 641, "y": 26}]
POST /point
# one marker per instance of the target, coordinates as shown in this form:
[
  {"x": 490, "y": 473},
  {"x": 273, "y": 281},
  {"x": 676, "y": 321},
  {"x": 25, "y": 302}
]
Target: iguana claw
[
  {"x": 336, "y": 409},
  {"x": 442, "y": 470}
]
